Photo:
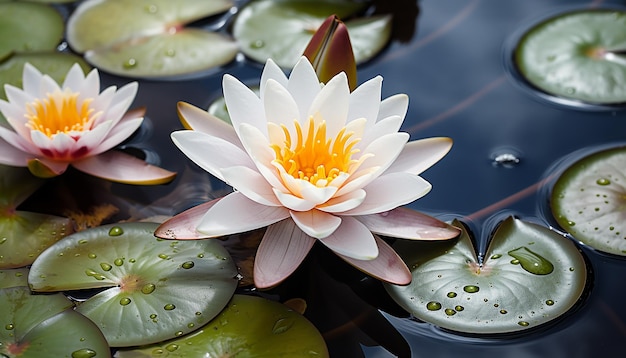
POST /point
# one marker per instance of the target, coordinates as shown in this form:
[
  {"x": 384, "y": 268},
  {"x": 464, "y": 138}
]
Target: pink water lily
[
  {"x": 75, "y": 124},
  {"x": 313, "y": 163}
]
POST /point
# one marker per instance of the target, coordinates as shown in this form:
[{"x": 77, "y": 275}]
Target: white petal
[
  {"x": 31, "y": 77},
  {"x": 390, "y": 191},
  {"x": 352, "y": 239},
  {"x": 91, "y": 84},
  {"x": 293, "y": 202},
  {"x": 74, "y": 79},
  {"x": 62, "y": 143},
  {"x": 281, "y": 251},
  {"x": 40, "y": 140},
  {"x": 420, "y": 155},
  {"x": 17, "y": 141},
  {"x": 48, "y": 85},
  {"x": 317, "y": 195},
  {"x": 202, "y": 121},
  {"x": 103, "y": 101},
  {"x": 396, "y": 105},
  {"x": 15, "y": 117},
  {"x": 10, "y": 155},
  {"x": 257, "y": 145},
  {"x": 93, "y": 139},
  {"x": 235, "y": 213},
  {"x": 120, "y": 102},
  {"x": 304, "y": 85},
  {"x": 315, "y": 223},
  {"x": 384, "y": 126},
  {"x": 17, "y": 97},
  {"x": 250, "y": 183},
  {"x": 332, "y": 104},
  {"x": 343, "y": 203},
  {"x": 210, "y": 153},
  {"x": 243, "y": 105},
  {"x": 280, "y": 108},
  {"x": 118, "y": 134},
  {"x": 271, "y": 71},
  {"x": 365, "y": 101}
]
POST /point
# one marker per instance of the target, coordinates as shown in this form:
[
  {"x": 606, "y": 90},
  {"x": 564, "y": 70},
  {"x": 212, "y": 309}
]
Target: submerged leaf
[
  {"x": 154, "y": 289},
  {"x": 529, "y": 276},
  {"x": 589, "y": 200},
  {"x": 248, "y": 327}
]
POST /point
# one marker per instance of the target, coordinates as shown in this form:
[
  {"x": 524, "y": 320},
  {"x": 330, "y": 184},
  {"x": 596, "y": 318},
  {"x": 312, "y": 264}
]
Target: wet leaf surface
[
  {"x": 14, "y": 277},
  {"x": 576, "y": 56},
  {"x": 281, "y": 30},
  {"x": 248, "y": 327},
  {"x": 147, "y": 39},
  {"x": 589, "y": 200},
  {"x": 529, "y": 276},
  {"x": 151, "y": 289},
  {"x": 45, "y": 326}
]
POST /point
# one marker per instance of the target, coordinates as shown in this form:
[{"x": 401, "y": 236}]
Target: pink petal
[
  {"x": 390, "y": 191},
  {"x": 281, "y": 251},
  {"x": 250, "y": 183},
  {"x": 43, "y": 168},
  {"x": 9, "y": 155},
  {"x": 118, "y": 134},
  {"x": 420, "y": 155},
  {"x": 183, "y": 226},
  {"x": 293, "y": 202},
  {"x": 243, "y": 105},
  {"x": 343, "y": 203},
  {"x": 17, "y": 141},
  {"x": 223, "y": 154},
  {"x": 365, "y": 101},
  {"x": 409, "y": 224},
  {"x": 316, "y": 223},
  {"x": 200, "y": 120},
  {"x": 396, "y": 105},
  {"x": 387, "y": 266},
  {"x": 352, "y": 239},
  {"x": 332, "y": 104},
  {"x": 236, "y": 213},
  {"x": 123, "y": 168}
]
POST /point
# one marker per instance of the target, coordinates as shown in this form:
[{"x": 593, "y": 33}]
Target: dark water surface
[{"x": 450, "y": 60}]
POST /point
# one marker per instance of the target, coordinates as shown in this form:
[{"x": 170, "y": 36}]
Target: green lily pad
[
  {"x": 147, "y": 38},
  {"x": 16, "y": 184},
  {"x": 248, "y": 327},
  {"x": 46, "y": 326},
  {"x": 589, "y": 200},
  {"x": 578, "y": 55},
  {"x": 153, "y": 289},
  {"x": 26, "y": 27},
  {"x": 282, "y": 29},
  {"x": 530, "y": 275},
  {"x": 14, "y": 277}
]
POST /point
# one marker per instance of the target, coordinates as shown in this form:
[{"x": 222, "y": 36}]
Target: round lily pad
[
  {"x": 151, "y": 289},
  {"x": 281, "y": 30},
  {"x": 529, "y": 276},
  {"x": 46, "y": 326},
  {"x": 578, "y": 55},
  {"x": 589, "y": 200},
  {"x": 14, "y": 277},
  {"x": 248, "y": 327},
  {"x": 54, "y": 64},
  {"x": 147, "y": 39},
  {"x": 26, "y": 27}
]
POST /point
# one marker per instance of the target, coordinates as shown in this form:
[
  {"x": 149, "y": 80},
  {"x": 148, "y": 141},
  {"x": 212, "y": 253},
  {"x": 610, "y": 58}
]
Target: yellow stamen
[
  {"x": 314, "y": 157},
  {"x": 60, "y": 112}
]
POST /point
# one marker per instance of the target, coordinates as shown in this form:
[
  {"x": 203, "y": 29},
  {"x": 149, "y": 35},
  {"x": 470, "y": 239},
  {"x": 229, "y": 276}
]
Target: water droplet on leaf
[{"x": 531, "y": 261}]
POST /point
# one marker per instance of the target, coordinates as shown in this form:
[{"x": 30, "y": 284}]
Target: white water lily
[
  {"x": 313, "y": 163},
  {"x": 75, "y": 124}
]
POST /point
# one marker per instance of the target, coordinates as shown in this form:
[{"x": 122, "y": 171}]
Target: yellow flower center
[
  {"x": 60, "y": 112},
  {"x": 315, "y": 157}
]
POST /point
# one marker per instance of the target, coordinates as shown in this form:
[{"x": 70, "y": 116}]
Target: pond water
[{"x": 449, "y": 56}]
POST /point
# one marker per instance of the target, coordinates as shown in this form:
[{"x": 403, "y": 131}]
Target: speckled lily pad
[
  {"x": 36, "y": 326},
  {"x": 282, "y": 29},
  {"x": 248, "y": 327},
  {"x": 26, "y": 27},
  {"x": 14, "y": 277},
  {"x": 147, "y": 38},
  {"x": 589, "y": 200},
  {"x": 529, "y": 276},
  {"x": 577, "y": 55},
  {"x": 152, "y": 289}
]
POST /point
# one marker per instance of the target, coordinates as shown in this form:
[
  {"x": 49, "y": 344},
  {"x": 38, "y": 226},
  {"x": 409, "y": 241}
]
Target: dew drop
[
  {"x": 3, "y": 240},
  {"x": 170, "y": 52},
  {"x": 451, "y": 294},
  {"x": 105, "y": 266},
  {"x": 125, "y": 301},
  {"x": 450, "y": 311},
  {"x": 130, "y": 63},
  {"x": 179, "y": 333},
  {"x": 187, "y": 265},
  {"x": 549, "y": 302},
  {"x": 92, "y": 255},
  {"x": 119, "y": 262},
  {"x": 151, "y": 9},
  {"x": 471, "y": 289},
  {"x": 496, "y": 256},
  {"x": 531, "y": 261},
  {"x": 132, "y": 261},
  {"x": 153, "y": 316},
  {"x": 282, "y": 325},
  {"x": 200, "y": 256},
  {"x": 163, "y": 256},
  {"x": 459, "y": 308},
  {"x": 603, "y": 181},
  {"x": 257, "y": 44},
  {"x": 198, "y": 313},
  {"x": 169, "y": 307},
  {"x": 171, "y": 347},
  {"x": 83, "y": 241},
  {"x": 523, "y": 323},
  {"x": 157, "y": 352},
  {"x": 506, "y": 160},
  {"x": 148, "y": 288},
  {"x": 515, "y": 262},
  {"x": 116, "y": 231},
  {"x": 504, "y": 311},
  {"x": 571, "y": 269},
  {"x": 570, "y": 90},
  {"x": 9, "y": 326},
  {"x": 84, "y": 353},
  {"x": 433, "y": 306}
]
